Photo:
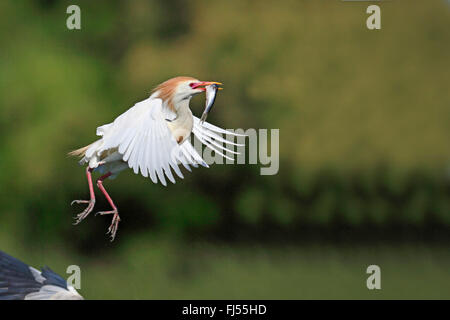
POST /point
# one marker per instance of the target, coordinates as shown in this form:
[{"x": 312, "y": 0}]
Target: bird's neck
[
  {"x": 181, "y": 126},
  {"x": 182, "y": 107}
]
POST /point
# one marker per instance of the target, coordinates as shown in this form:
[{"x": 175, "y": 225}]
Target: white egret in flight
[{"x": 151, "y": 138}]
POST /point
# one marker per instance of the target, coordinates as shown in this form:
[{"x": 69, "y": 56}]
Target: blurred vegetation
[
  {"x": 363, "y": 116},
  {"x": 148, "y": 267}
]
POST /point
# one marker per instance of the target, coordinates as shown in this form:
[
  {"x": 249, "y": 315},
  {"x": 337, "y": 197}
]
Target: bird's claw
[
  {"x": 79, "y": 217},
  {"x": 112, "y": 230},
  {"x": 79, "y": 201},
  {"x": 102, "y": 213}
]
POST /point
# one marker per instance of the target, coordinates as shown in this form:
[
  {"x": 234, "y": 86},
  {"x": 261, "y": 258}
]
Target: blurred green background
[{"x": 364, "y": 147}]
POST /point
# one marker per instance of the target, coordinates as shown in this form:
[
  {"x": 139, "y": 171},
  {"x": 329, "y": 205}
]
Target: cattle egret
[
  {"x": 151, "y": 138},
  {"x": 19, "y": 281}
]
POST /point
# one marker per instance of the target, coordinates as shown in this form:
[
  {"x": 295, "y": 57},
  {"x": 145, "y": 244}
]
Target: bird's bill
[{"x": 202, "y": 84}]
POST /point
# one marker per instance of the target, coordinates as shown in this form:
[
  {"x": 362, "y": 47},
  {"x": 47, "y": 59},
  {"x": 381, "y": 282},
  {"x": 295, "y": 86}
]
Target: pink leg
[
  {"x": 90, "y": 202},
  {"x": 115, "y": 221}
]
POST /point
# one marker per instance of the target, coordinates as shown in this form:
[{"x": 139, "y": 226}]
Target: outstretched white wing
[{"x": 142, "y": 136}]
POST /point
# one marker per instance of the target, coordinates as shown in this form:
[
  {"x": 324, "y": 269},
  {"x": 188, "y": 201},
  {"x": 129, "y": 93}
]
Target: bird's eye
[{"x": 192, "y": 85}]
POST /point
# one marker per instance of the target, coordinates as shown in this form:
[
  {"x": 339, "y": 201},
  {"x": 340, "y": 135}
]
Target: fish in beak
[{"x": 211, "y": 92}]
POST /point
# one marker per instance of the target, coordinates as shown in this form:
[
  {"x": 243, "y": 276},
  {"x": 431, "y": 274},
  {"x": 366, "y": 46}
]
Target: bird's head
[{"x": 178, "y": 89}]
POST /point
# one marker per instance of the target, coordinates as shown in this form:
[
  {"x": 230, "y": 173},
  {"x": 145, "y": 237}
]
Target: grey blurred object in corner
[{"x": 19, "y": 281}]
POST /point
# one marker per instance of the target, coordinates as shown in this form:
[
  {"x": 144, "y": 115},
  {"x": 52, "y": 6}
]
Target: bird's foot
[
  {"x": 79, "y": 217},
  {"x": 112, "y": 230}
]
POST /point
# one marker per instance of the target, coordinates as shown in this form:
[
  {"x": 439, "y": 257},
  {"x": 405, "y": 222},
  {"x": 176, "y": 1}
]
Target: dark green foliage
[{"x": 363, "y": 116}]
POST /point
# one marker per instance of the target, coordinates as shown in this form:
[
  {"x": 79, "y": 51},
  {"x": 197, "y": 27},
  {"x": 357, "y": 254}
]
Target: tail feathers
[{"x": 79, "y": 152}]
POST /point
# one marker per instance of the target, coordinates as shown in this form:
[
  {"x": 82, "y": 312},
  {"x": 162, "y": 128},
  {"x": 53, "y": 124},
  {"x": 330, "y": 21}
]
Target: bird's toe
[
  {"x": 79, "y": 201},
  {"x": 82, "y": 215}
]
